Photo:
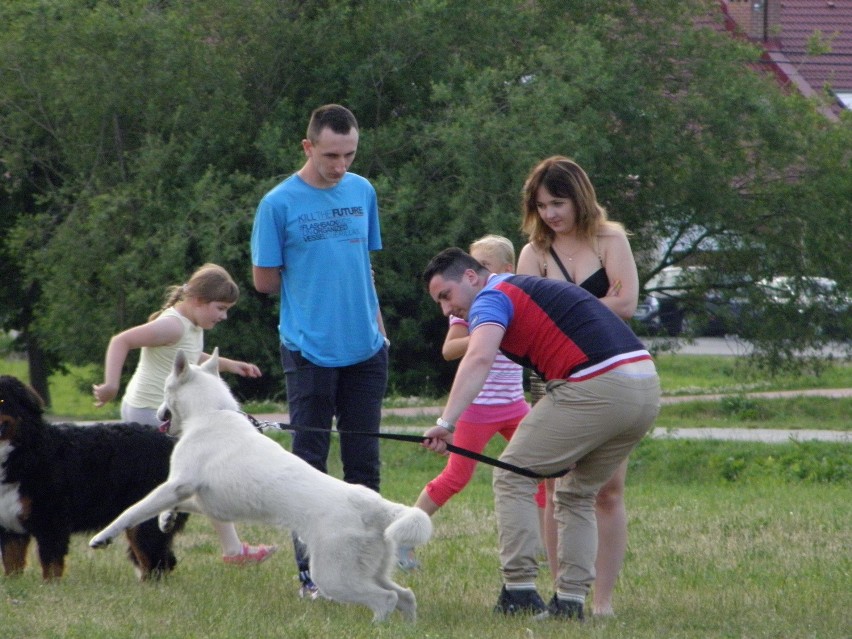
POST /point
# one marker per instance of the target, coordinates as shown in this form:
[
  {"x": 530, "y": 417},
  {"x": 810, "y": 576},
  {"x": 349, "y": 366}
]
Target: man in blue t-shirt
[
  {"x": 311, "y": 243},
  {"x": 603, "y": 395}
]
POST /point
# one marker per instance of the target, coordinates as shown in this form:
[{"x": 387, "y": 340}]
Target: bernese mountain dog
[{"x": 59, "y": 479}]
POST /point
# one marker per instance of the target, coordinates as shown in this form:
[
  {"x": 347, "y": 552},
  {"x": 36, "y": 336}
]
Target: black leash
[{"x": 418, "y": 439}]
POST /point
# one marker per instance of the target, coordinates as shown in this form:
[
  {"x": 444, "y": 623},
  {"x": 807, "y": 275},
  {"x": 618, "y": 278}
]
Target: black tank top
[{"x": 597, "y": 283}]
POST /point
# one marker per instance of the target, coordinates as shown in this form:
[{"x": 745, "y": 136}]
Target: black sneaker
[
  {"x": 519, "y": 602},
  {"x": 562, "y": 609}
]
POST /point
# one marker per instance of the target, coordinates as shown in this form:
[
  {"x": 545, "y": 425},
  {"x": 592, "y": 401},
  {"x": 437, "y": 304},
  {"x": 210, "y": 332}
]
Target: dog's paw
[
  {"x": 167, "y": 520},
  {"x": 100, "y": 541}
]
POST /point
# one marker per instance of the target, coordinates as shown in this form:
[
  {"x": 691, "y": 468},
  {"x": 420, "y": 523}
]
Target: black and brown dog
[{"x": 59, "y": 479}]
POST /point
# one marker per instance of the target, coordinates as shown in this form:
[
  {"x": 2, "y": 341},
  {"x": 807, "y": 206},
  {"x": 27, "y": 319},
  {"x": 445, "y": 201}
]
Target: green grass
[
  {"x": 700, "y": 374},
  {"x": 738, "y": 411},
  {"x": 71, "y": 395},
  {"x": 680, "y": 375},
  {"x": 727, "y": 539},
  {"x": 761, "y": 553}
]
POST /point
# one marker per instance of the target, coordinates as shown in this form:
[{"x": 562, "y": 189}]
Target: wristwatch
[{"x": 443, "y": 423}]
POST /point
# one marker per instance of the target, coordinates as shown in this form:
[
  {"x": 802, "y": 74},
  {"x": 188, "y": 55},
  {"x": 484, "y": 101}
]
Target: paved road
[
  {"x": 729, "y": 345},
  {"x": 834, "y": 393},
  {"x": 734, "y": 434},
  {"x": 768, "y": 435}
]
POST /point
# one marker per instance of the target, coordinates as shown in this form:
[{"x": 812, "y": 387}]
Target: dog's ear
[
  {"x": 212, "y": 364},
  {"x": 181, "y": 366},
  {"x": 17, "y": 397}
]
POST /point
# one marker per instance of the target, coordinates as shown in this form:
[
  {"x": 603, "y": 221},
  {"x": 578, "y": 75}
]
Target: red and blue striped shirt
[{"x": 555, "y": 328}]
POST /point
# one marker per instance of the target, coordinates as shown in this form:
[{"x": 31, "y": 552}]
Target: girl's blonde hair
[
  {"x": 210, "y": 283},
  {"x": 563, "y": 178},
  {"x": 497, "y": 246}
]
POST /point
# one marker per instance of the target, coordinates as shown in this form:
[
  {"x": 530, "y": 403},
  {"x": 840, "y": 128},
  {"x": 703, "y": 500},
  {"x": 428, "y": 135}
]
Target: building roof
[{"x": 787, "y": 28}]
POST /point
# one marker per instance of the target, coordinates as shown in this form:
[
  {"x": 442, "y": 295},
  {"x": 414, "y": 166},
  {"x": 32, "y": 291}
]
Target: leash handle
[{"x": 464, "y": 452}]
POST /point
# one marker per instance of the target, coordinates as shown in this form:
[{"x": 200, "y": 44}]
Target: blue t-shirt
[
  {"x": 556, "y": 328},
  {"x": 321, "y": 239}
]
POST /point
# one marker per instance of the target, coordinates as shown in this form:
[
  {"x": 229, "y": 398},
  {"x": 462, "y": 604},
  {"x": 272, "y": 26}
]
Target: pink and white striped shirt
[{"x": 502, "y": 395}]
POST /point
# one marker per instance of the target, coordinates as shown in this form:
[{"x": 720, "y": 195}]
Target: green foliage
[
  {"x": 138, "y": 137},
  {"x": 741, "y": 407},
  {"x": 683, "y": 461}
]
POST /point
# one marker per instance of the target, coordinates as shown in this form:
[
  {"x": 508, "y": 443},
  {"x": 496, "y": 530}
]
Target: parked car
[
  {"x": 819, "y": 299},
  {"x": 679, "y": 301}
]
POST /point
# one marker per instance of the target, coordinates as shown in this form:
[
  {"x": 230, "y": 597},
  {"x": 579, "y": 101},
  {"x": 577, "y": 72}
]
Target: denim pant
[
  {"x": 353, "y": 395},
  {"x": 593, "y": 423}
]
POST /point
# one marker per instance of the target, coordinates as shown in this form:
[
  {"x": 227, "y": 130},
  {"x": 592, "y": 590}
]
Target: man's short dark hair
[
  {"x": 331, "y": 116},
  {"x": 450, "y": 264}
]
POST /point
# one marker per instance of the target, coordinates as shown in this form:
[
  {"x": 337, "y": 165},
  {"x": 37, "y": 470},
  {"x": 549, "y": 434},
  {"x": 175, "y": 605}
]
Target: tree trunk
[{"x": 39, "y": 368}]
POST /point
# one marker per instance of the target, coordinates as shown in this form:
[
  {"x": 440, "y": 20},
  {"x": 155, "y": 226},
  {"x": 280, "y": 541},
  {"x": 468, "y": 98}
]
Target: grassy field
[
  {"x": 727, "y": 539},
  {"x": 763, "y": 552}
]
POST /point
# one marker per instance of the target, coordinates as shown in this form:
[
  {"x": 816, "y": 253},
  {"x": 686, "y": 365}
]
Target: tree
[
  {"x": 114, "y": 114},
  {"x": 686, "y": 145},
  {"x": 139, "y": 136}
]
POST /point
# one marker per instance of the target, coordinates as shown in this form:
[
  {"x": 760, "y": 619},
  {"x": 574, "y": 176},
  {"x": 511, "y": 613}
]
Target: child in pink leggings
[{"x": 498, "y": 409}]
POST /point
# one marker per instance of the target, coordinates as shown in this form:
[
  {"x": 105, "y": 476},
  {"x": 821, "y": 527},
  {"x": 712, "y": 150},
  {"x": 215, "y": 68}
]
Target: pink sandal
[{"x": 250, "y": 555}]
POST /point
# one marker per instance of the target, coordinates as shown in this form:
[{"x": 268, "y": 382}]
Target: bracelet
[
  {"x": 443, "y": 423},
  {"x": 387, "y": 342}
]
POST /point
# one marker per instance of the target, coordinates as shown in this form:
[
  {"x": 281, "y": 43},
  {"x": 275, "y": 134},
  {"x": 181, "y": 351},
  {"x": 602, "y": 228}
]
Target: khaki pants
[{"x": 595, "y": 424}]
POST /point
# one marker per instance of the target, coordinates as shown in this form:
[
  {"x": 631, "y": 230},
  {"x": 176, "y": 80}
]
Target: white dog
[{"x": 224, "y": 468}]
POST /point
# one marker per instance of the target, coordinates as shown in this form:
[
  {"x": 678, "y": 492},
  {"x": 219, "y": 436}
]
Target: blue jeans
[
  {"x": 351, "y": 394},
  {"x": 316, "y": 395}
]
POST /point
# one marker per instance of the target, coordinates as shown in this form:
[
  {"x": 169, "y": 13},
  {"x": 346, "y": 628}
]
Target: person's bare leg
[
  {"x": 425, "y": 503},
  {"x": 228, "y": 538},
  {"x": 235, "y": 551},
  {"x": 612, "y": 540}
]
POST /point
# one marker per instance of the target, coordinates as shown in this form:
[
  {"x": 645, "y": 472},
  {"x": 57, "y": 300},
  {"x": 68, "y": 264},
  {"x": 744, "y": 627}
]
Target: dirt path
[{"x": 734, "y": 434}]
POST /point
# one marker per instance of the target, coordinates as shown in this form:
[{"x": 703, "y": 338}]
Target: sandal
[{"x": 250, "y": 555}]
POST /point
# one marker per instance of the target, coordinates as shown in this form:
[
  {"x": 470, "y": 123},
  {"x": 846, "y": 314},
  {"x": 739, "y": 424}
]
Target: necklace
[{"x": 570, "y": 255}]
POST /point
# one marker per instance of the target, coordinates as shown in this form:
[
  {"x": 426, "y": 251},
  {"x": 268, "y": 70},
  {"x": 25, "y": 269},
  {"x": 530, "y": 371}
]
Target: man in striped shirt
[{"x": 602, "y": 397}]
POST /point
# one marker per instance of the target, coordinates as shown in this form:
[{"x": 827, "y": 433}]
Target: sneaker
[
  {"x": 250, "y": 555},
  {"x": 406, "y": 559},
  {"x": 562, "y": 609},
  {"x": 309, "y": 590},
  {"x": 513, "y": 602}
]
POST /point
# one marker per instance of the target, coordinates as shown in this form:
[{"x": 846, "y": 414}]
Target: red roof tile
[
  {"x": 799, "y": 21},
  {"x": 786, "y": 33}
]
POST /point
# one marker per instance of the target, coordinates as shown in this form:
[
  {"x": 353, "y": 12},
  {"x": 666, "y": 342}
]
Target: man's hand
[{"x": 436, "y": 439}]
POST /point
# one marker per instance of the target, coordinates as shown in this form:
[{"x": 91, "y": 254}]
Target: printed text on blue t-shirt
[{"x": 328, "y": 224}]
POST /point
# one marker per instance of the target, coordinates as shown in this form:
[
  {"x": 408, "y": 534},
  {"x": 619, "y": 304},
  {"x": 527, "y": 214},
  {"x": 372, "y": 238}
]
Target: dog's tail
[{"x": 411, "y": 527}]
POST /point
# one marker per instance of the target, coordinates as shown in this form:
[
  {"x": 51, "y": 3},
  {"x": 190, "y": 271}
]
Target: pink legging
[{"x": 459, "y": 470}]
